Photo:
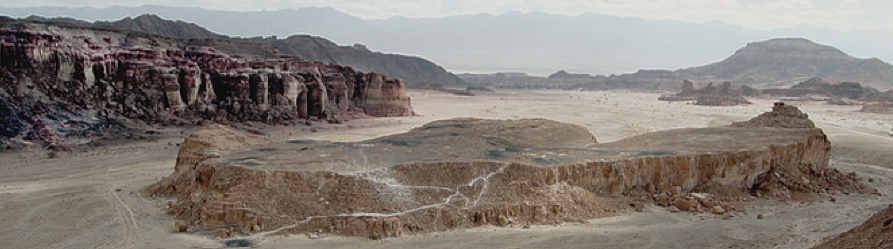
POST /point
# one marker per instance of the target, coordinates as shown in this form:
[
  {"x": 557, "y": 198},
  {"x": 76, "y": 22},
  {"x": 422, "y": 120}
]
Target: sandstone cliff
[
  {"x": 462, "y": 173},
  {"x": 58, "y": 79}
]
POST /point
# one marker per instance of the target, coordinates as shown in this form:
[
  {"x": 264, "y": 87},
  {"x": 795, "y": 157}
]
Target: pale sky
[{"x": 841, "y": 15}]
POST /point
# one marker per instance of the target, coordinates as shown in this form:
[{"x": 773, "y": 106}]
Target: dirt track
[{"x": 73, "y": 201}]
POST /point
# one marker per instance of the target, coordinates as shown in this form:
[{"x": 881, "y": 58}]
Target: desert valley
[{"x": 150, "y": 133}]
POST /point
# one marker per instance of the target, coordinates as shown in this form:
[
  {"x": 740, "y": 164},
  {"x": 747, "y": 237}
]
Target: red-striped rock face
[{"x": 159, "y": 80}]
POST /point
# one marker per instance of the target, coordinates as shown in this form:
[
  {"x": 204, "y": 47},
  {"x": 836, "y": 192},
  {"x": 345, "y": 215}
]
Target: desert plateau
[{"x": 93, "y": 199}]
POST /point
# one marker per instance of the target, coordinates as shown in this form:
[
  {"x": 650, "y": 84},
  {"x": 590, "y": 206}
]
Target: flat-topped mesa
[
  {"x": 462, "y": 173},
  {"x": 167, "y": 81}
]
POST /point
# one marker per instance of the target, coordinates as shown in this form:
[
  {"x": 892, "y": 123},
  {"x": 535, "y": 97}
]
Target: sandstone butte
[
  {"x": 49, "y": 69},
  {"x": 461, "y": 173}
]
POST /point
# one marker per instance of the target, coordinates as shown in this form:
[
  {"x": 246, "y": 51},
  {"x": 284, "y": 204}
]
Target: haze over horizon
[
  {"x": 599, "y": 38},
  {"x": 841, "y": 15}
]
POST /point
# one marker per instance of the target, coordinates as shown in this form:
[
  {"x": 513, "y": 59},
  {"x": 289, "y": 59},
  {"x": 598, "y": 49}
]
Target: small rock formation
[
  {"x": 441, "y": 88},
  {"x": 461, "y": 173},
  {"x": 781, "y": 116},
  {"x": 878, "y": 107},
  {"x": 478, "y": 89},
  {"x": 51, "y": 71},
  {"x": 644, "y": 80},
  {"x": 882, "y": 103},
  {"x": 711, "y": 95},
  {"x": 844, "y": 93},
  {"x": 561, "y": 74}
]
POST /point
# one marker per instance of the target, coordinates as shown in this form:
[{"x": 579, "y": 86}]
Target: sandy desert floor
[{"x": 89, "y": 199}]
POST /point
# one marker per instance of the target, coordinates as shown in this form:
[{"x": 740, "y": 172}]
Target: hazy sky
[{"x": 758, "y": 14}]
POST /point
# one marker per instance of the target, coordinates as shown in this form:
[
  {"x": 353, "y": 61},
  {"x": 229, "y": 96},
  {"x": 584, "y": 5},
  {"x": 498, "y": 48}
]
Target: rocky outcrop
[
  {"x": 874, "y": 233},
  {"x": 644, "y": 80},
  {"x": 882, "y": 103},
  {"x": 461, "y": 173},
  {"x": 885, "y": 107},
  {"x": 711, "y": 95},
  {"x": 819, "y": 89},
  {"x": 781, "y": 116},
  {"x": 108, "y": 74},
  {"x": 561, "y": 74}
]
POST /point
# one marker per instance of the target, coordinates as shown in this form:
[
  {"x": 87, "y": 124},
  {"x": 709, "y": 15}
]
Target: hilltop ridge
[
  {"x": 413, "y": 70},
  {"x": 785, "y": 61}
]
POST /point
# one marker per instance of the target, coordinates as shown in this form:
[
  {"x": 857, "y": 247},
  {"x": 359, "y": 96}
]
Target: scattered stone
[
  {"x": 727, "y": 216},
  {"x": 502, "y": 220},
  {"x": 239, "y": 243},
  {"x": 181, "y": 226},
  {"x": 637, "y": 205},
  {"x": 718, "y": 210},
  {"x": 222, "y": 232},
  {"x": 760, "y": 216},
  {"x": 684, "y": 205}
]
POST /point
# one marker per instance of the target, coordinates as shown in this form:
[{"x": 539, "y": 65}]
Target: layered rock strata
[
  {"x": 469, "y": 172},
  {"x": 166, "y": 81}
]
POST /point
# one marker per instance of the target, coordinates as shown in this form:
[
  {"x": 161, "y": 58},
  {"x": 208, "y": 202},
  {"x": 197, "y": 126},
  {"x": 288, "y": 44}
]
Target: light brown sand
[{"x": 73, "y": 201}]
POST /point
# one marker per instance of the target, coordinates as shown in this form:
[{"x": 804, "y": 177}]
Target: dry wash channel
[{"x": 468, "y": 172}]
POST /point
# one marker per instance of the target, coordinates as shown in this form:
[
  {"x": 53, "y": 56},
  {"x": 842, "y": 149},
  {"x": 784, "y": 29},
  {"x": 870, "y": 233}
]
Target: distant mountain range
[
  {"x": 536, "y": 43},
  {"x": 776, "y": 63},
  {"x": 413, "y": 70}
]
